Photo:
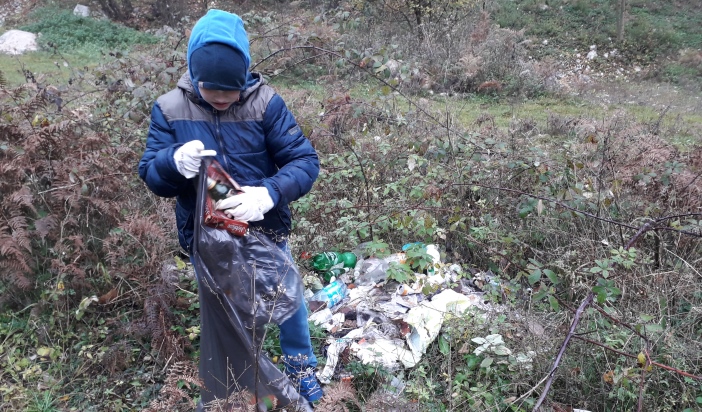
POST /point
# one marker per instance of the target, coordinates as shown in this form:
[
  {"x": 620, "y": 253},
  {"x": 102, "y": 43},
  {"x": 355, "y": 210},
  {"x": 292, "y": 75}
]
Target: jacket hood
[{"x": 219, "y": 26}]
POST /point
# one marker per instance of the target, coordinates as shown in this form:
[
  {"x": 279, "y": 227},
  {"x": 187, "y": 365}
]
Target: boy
[{"x": 221, "y": 109}]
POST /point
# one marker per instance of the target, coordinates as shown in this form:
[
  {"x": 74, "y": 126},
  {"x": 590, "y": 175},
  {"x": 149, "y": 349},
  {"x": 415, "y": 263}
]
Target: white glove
[
  {"x": 188, "y": 157},
  {"x": 249, "y": 206}
]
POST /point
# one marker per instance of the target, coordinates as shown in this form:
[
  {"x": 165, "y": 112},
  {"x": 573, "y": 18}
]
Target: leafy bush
[
  {"x": 65, "y": 31},
  {"x": 81, "y": 239}
]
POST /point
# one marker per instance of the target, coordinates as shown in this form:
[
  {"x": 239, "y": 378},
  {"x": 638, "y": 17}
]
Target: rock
[
  {"x": 17, "y": 42},
  {"x": 81, "y": 10},
  {"x": 165, "y": 31}
]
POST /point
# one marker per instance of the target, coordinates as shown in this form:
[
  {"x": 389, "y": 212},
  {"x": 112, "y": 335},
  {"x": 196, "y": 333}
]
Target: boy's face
[{"x": 220, "y": 99}]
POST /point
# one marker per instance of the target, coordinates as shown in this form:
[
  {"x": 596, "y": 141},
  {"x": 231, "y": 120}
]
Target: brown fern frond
[
  {"x": 17, "y": 223},
  {"x": 171, "y": 396},
  {"x": 15, "y": 259},
  {"x": 14, "y": 264},
  {"x": 18, "y": 226},
  {"x": 338, "y": 397},
  {"x": 23, "y": 197},
  {"x": 19, "y": 279},
  {"x": 45, "y": 225}
]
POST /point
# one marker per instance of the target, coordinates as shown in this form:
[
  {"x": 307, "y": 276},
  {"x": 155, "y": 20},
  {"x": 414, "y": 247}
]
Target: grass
[
  {"x": 57, "y": 67},
  {"x": 68, "y": 43},
  {"x": 653, "y": 24},
  {"x": 65, "y": 31}
]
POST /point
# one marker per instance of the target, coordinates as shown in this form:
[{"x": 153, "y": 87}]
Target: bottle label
[{"x": 332, "y": 294}]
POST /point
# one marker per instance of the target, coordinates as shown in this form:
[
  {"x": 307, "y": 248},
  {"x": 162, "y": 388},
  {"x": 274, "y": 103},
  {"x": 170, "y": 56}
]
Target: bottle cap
[{"x": 211, "y": 183}]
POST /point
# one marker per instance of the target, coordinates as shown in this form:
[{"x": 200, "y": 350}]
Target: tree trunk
[{"x": 620, "y": 20}]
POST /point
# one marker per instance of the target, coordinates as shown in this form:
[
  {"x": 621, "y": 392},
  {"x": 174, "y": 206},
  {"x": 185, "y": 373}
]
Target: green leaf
[
  {"x": 44, "y": 351},
  {"x": 540, "y": 294},
  {"x": 472, "y": 361},
  {"x": 553, "y": 302},
  {"x": 444, "y": 346},
  {"x": 486, "y": 362},
  {"x": 534, "y": 276},
  {"x": 179, "y": 263},
  {"x": 551, "y": 275},
  {"x": 653, "y": 327}
]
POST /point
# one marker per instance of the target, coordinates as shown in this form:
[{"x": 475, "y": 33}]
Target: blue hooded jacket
[{"x": 257, "y": 139}]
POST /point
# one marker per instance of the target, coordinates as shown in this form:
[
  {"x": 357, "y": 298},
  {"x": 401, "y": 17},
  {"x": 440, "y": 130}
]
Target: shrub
[
  {"x": 65, "y": 31},
  {"x": 82, "y": 241}
]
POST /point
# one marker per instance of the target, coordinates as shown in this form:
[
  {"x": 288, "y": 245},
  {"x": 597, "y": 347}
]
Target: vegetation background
[{"x": 487, "y": 127}]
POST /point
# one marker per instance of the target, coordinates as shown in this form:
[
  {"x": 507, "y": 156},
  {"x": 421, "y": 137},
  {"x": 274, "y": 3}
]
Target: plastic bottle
[
  {"x": 375, "y": 270},
  {"x": 325, "y": 261},
  {"x": 332, "y": 294}
]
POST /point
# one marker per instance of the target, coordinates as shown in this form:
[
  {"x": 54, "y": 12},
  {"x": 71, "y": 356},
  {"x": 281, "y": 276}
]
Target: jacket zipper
[{"x": 220, "y": 140}]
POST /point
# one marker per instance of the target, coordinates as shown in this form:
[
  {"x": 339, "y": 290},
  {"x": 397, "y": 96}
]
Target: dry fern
[
  {"x": 174, "y": 396},
  {"x": 338, "y": 397}
]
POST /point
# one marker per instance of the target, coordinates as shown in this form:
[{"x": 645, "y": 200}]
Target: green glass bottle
[
  {"x": 333, "y": 273},
  {"x": 217, "y": 190},
  {"x": 332, "y": 264}
]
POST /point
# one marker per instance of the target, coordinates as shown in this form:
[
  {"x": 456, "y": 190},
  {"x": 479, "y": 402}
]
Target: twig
[
  {"x": 653, "y": 225},
  {"x": 81, "y": 182},
  {"x": 639, "y": 406},
  {"x": 670, "y": 368},
  {"x": 574, "y": 324},
  {"x": 530, "y": 391},
  {"x": 564, "y": 345},
  {"x": 602, "y": 345}
]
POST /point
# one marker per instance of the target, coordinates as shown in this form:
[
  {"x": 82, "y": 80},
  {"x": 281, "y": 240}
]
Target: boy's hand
[
  {"x": 249, "y": 206},
  {"x": 189, "y": 156}
]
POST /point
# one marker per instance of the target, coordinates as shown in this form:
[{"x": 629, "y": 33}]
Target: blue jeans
[{"x": 295, "y": 342}]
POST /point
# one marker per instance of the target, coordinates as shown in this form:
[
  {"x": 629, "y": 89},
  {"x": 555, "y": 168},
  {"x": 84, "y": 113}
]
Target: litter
[{"x": 382, "y": 322}]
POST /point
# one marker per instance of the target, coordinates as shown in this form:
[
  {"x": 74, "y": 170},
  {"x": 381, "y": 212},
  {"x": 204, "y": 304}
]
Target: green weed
[{"x": 64, "y": 31}]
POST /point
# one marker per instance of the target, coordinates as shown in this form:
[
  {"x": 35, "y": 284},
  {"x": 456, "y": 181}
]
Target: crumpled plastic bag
[{"x": 244, "y": 282}]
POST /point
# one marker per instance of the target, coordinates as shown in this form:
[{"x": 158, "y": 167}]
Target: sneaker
[{"x": 307, "y": 384}]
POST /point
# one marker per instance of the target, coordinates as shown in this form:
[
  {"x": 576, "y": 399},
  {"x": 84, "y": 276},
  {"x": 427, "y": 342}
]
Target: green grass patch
[
  {"x": 68, "y": 43},
  {"x": 62, "y": 30},
  {"x": 652, "y": 28},
  {"x": 46, "y": 65}
]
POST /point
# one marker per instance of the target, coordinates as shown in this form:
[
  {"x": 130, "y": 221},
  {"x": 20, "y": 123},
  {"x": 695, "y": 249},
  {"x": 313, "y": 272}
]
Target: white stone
[
  {"x": 17, "y": 42},
  {"x": 591, "y": 54},
  {"x": 81, "y": 10}
]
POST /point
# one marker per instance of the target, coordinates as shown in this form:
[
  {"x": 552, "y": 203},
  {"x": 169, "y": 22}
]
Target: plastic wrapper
[{"x": 244, "y": 283}]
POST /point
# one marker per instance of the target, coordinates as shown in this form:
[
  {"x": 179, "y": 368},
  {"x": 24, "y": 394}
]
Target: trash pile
[{"x": 387, "y": 311}]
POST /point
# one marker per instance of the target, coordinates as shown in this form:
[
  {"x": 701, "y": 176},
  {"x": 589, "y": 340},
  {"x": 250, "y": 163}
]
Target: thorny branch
[{"x": 651, "y": 225}]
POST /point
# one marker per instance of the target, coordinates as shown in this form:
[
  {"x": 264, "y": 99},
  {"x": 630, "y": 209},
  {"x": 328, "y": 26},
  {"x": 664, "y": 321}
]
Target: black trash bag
[{"x": 244, "y": 283}]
